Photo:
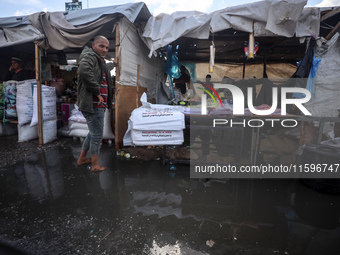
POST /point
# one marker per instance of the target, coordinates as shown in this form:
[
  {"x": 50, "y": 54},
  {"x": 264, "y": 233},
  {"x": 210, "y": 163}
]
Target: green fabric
[{"x": 90, "y": 75}]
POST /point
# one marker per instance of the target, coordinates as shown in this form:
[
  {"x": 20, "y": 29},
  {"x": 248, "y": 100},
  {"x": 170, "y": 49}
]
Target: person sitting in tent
[{"x": 16, "y": 72}]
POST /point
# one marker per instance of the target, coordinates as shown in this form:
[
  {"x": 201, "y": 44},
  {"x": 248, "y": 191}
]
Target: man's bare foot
[
  {"x": 98, "y": 168},
  {"x": 82, "y": 161}
]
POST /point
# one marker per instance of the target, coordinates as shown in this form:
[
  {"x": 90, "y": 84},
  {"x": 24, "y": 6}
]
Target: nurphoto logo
[{"x": 238, "y": 108}]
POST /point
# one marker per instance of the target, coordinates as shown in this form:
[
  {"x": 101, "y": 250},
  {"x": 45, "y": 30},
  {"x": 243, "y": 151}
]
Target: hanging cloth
[
  {"x": 310, "y": 81},
  {"x": 306, "y": 62},
  {"x": 172, "y": 68}
]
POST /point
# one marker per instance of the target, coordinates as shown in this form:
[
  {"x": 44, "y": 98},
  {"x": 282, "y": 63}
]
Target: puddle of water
[{"x": 51, "y": 205}]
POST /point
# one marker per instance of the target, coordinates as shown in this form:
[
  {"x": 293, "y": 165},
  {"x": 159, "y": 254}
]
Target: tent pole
[
  {"x": 334, "y": 30},
  {"x": 38, "y": 78},
  {"x": 244, "y": 69},
  {"x": 137, "y": 96},
  {"x": 117, "y": 61}
]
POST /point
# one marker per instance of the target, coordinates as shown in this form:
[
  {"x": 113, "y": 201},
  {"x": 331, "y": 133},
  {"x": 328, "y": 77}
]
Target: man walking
[{"x": 94, "y": 96}]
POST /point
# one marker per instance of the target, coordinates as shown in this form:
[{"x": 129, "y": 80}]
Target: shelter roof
[{"x": 60, "y": 30}]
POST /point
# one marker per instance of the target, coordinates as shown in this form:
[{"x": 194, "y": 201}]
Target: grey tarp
[
  {"x": 60, "y": 34},
  {"x": 60, "y": 30},
  {"x": 264, "y": 18},
  {"x": 76, "y": 28},
  {"x": 17, "y": 30}
]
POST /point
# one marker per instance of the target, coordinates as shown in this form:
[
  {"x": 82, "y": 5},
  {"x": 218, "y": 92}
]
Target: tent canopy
[
  {"x": 275, "y": 20},
  {"x": 61, "y": 30}
]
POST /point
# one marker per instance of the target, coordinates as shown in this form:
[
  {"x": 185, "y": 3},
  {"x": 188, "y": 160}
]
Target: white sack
[
  {"x": 127, "y": 136},
  {"x": 70, "y": 123},
  {"x": 79, "y": 132},
  {"x": 25, "y": 101},
  {"x": 27, "y": 133},
  {"x": 49, "y": 131},
  {"x": 76, "y": 115},
  {"x": 49, "y": 108},
  {"x": 146, "y": 104},
  {"x": 156, "y": 119},
  {"x": 143, "y": 138},
  {"x": 107, "y": 132},
  {"x": 79, "y": 125}
]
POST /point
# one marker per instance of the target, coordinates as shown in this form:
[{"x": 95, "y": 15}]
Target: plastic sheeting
[
  {"x": 60, "y": 34},
  {"x": 19, "y": 35},
  {"x": 76, "y": 28},
  {"x": 60, "y": 30},
  {"x": 134, "y": 52},
  {"x": 264, "y": 18},
  {"x": 325, "y": 101},
  {"x": 132, "y": 11}
]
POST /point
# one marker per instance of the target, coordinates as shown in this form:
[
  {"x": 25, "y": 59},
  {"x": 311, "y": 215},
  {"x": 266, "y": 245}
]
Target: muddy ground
[{"x": 12, "y": 151}]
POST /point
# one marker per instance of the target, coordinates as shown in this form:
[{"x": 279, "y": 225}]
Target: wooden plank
[
  {"x": 137, "y": 85},
  {"x": 38, "y": 78},
  {"x": 117, "y": 61},
  {"x": 125, "y": 95},
  {"x": 330, "y": 14},
  {"x": 334, "y": 30}
]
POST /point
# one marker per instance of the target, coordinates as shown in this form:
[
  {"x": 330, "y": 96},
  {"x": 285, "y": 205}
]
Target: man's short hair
[{"x": 97, "y": 37}]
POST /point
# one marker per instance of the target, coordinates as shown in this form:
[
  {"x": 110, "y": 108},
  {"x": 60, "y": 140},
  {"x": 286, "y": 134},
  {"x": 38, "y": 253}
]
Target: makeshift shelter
[
  {"x": 280, "y": 29},
  {"x": 58, "y": 34}
]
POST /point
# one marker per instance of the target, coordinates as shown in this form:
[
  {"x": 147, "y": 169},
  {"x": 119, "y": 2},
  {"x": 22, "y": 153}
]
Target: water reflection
[
  {"x": 136, "y": 207},
  {"x": 43, "y": 174}
]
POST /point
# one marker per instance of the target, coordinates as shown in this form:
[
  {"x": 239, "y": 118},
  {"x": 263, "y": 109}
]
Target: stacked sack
[
  {"x": 9, "y": 101},
  {"x": 7, "y": 108},
  {"x": 78, "y": 126},
  {"x": 77, "y": 123},
  {"x": 27, "y": 111},
  {"x": 154, "y": 124}
]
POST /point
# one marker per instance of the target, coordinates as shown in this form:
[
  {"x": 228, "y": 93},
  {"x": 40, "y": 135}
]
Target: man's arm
[
  {"x": 8, "y": 76},
  {"x": 86, "y": 74}
]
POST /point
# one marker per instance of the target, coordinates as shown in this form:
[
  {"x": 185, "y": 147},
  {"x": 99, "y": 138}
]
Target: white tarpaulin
[
  {"x": 326, "y": 79},
  {"x": 325, "y": 101},
  {"x": 134, "y": 52},
  {"x": 264, "y": 18}
]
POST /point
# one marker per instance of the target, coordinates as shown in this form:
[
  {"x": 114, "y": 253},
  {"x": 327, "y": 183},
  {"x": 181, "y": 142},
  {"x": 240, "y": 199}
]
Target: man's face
[
  {"x": 101, "y": 47},
  {"x": 15, "y": 64}
]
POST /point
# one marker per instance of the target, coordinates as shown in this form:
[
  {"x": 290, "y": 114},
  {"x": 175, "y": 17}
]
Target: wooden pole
[
  {"x": 330, "y": 14},
  {"x": 251, "y": 45},
  {"x": 244, "y": 69},
  {"x": 38, "y": 78},
  {"x": 334, "y": 30},
  {"x": 117, "y": 61},
  {"x": 137, "y": 96}
]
